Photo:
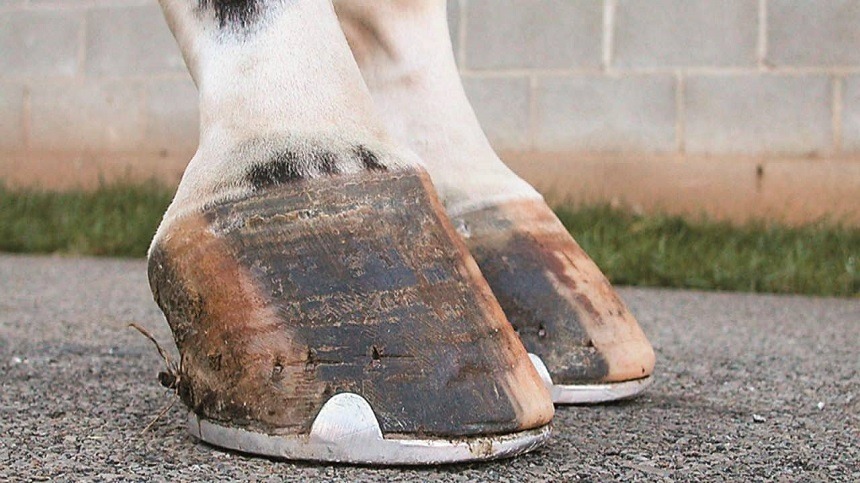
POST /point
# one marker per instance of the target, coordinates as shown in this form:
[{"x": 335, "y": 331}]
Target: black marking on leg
[
  {"x": 290, "y": 166},
  {"x": 287, "y": 166},
  {"x": 281, "y": 168},
  {"x": 238, "y": 14},
  {"x": 326, "y": 162},
  {"x": 369, "y": 159}
]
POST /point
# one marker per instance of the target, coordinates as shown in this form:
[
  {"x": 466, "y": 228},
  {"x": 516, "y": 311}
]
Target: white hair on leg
[{"x": 404, "y": 50}]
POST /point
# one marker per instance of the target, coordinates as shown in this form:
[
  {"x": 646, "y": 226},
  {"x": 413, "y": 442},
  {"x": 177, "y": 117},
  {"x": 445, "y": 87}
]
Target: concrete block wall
[
  {"x": 99, "y": 85},
  {"x": 681, "y": 77},
  {"x": 92, "y": 77}
]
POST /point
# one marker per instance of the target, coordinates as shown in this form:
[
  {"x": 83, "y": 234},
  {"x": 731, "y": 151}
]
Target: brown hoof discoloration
[
  {"x": 353, "y": 283},
  {"x": 560, "y": 303}
]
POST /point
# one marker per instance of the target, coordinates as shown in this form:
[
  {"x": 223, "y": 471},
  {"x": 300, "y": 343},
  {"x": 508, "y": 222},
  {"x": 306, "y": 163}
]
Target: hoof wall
[
  {"x": 346, "y": 431},
  {"x": 589, "y": 393}
]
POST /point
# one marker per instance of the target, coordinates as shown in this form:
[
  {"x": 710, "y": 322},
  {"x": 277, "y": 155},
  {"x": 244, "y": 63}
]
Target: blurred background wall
[{"x": 734, "y": 108}]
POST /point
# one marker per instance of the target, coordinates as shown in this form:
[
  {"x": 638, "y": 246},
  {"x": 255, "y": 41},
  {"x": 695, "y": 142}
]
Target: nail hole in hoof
[
  {"x": 214, "y": 361},
  {"x": 311, "y": 360},
  {"x": 277, "y": 372}
]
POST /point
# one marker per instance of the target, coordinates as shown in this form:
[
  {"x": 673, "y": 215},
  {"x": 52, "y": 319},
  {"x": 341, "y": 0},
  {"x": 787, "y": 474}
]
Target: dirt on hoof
[
  {"x": 562, "y": 306},
  {"x": 354, "y": 283}
]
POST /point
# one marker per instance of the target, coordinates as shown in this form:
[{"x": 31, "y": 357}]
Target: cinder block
[
  {"x": 534, "y": 34},
  {"x": 11, "y": 118},
  {"x": 851, "y": 114},
  {"x": 660, "y": 33},
  {"x": 39, "y": 43},
  {"x": 133, "y": 41},
  {"x": 820, "y": 32},
  {"x": 12, "y": 3},
  {"x": 502, "y": 107},
  {"x": 86, "y": 117},
  {"x": 604, "y": 114},
  {"x": 758, "y": 114},
  {"x": 173, "y": 120}
]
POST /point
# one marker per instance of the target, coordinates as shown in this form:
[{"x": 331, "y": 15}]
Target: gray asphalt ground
[{"x": 749, "y": 388}]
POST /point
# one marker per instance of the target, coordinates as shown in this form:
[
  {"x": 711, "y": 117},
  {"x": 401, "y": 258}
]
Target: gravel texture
[{"x": 748, "y": 387}]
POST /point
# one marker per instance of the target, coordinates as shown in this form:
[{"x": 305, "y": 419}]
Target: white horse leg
[
  {"x": 561, "y": 304},
  {"x": 404, "y": 51},
  {"x": 322, "y": 302}
]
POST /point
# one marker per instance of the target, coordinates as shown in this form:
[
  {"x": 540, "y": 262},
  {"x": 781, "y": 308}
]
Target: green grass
[
  {"x": 115, "y": 220},
  {"x": 664, "y": 251},
  {"x": 661, "y": 251}
]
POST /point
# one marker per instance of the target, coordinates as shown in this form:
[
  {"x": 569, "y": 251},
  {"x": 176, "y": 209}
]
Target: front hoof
[{"x": 282, "y": 300}]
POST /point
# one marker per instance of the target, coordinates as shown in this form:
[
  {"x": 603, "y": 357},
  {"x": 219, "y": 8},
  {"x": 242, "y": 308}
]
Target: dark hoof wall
[
  {"x": 562, "y": 306},
  {"x": 346, "y": 284}
]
